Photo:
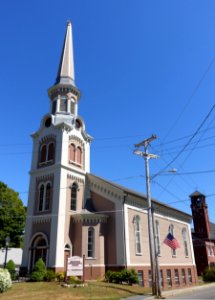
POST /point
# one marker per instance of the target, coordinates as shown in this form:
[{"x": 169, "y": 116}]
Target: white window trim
[
  {"x": 93, "y": 243},
  {"x": 185, "y": 240},
  {"x": 135, "y": 220}
]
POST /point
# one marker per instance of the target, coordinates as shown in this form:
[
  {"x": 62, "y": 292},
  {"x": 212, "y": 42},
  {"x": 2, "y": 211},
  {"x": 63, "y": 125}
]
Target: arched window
[
  {"x": 72, "y": 107},
  {"x": 137, "y": 234},
  {"x": 184, "y": 235},
  {"x": 43, "y": 153},
  {"x": 171, "y": 230},
  {"x": 72, "y": 152},
  {"x": 44, "y": 196},
  {"x": 48, "y": 196},
  {"x": 79, "y": 155},
  {"x": 63, "y": 105},
  {"x": 47, "y": 153},
  {"x": 73, "y": 202},
  {"x": 41, "y": 197},
  {"x": 91, "y": 239},
  {"x": 157, "y": 238},
  {"x": 39, "y": 249},
  {"x": 54, "y": 106},
  {"x": 51, "y": 151}
]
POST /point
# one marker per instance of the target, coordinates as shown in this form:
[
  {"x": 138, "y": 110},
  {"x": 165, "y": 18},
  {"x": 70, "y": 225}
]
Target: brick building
[
  {"x": 72, "y": 212},
  {"x": 203, "y": 234}
]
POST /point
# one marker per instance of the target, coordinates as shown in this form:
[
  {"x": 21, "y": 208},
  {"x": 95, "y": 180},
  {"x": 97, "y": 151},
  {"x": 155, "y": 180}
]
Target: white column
[
  {"x": 29, "y": 221},
  {"x": 191, "y": 246},
  {"x": 127, "y": 235},
  {"x": 58, "y": 104}
]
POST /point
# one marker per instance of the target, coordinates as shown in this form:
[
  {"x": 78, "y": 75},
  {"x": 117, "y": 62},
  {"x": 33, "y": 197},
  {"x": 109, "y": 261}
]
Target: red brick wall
[
  {"x": 171, "y": 268},
  {"x": 94, "y": 273}
]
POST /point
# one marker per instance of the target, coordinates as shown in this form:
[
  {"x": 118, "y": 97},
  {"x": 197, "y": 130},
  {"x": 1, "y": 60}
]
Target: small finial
[{"x": 68, "y": 22}]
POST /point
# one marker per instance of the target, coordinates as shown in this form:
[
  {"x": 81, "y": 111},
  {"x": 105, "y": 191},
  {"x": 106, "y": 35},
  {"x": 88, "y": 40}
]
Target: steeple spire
[
  {"x": 64, "y": 94},
  {"x": 65, "y": 73}
]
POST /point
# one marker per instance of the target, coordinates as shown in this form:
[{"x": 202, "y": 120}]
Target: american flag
[{"x": 171, "y": 241}]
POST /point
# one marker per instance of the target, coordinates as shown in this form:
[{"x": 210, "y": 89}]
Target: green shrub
[
  {"x": 113, "y": 276},
  {"x": 5, "y": 280},
  {"x": 209, "y": 275},
  {"x": 60, "y": 276},
  {"x": 39, "y": 271},
  {"x": 125, "y": 275},
  {"x": 11, "y": 268},
  {"x": 74, "y": 280},
  {"x": 108, "y": 276},
  {"x": 116, "y": 277},
  {"x": 50, "y": 275},
  {"x": 132, "y": 277},
  {"x": 37, "y": 276},
  {"x": 128, "y": 276}
]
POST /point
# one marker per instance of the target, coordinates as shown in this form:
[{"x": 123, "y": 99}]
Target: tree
[{"x": 12, "y": 216}]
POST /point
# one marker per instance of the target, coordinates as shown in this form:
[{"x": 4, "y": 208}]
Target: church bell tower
[
  {"x": 60, "y": 161},
  {"x": 200, "y": 215}
]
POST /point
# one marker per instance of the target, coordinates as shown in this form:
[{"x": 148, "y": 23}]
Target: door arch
[{"x": 39, "y": 249}]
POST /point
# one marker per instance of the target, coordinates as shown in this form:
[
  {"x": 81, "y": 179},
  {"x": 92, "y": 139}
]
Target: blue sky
[{"x": 143, "y": 67}]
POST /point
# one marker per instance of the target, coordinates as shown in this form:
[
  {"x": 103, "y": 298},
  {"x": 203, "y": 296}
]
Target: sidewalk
[{"x": 170, "y": 293}]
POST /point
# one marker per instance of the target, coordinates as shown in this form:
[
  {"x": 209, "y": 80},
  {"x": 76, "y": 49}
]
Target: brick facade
[
  {"x": 189, "y": 280},
  {"x": 203, "y": 236}
]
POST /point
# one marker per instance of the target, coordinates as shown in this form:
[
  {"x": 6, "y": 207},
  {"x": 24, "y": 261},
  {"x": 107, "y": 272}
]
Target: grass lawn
[{"x": 53, "y": 290}]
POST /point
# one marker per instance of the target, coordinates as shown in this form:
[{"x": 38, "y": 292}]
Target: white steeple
[
  {"x": 64, "y": 94},
  {"x": 65, "y": 73}
]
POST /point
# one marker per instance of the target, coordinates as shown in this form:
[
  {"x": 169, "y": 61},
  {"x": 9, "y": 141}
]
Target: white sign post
[{"x": 75, "y": 266}]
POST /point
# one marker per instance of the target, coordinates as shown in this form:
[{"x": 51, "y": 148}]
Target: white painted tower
[{"x": 60, "y": 161}]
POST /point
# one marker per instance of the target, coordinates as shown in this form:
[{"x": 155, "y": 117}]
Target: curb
[
  {"x": 170, "y": 293},
  {"x": 186, "y": 290}
]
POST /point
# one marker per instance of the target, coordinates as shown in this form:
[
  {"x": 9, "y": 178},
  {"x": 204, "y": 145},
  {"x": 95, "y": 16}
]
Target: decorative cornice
[
  {"x": 63, "y": 90},
  {"x": 41, "y": 219},
  {"x": 89, "y": 218},
  {"x": 50, "y": 137},
  {"x": 45, "y": 177},
  {"x": 75, "y": 178},
  {"x": 77, "y": 139},
  {"x": 105, "y": 191}
]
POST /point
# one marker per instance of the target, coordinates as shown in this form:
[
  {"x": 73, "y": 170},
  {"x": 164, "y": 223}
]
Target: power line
[
  {"x": 189, "y": 141},
  {"x": 113, "y": 138},
  {"x": 192, "y": 95}
]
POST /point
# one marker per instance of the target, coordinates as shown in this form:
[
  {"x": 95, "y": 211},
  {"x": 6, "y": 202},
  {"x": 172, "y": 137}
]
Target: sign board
[{"x": 75, "y": 266}]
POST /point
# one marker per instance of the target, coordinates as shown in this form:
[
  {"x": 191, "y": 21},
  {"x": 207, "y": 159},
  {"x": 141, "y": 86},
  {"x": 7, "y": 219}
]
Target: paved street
[{"x": 204, "y": 293}]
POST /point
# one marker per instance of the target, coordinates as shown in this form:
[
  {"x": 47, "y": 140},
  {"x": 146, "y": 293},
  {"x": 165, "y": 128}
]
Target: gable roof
[{"x": 140, "y": 199}]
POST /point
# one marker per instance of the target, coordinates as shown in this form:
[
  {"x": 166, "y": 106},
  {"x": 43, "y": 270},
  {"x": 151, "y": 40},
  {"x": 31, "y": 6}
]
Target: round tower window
[
  {"x": 78, "y": 124},
  {"x": 48, "y": 122}
]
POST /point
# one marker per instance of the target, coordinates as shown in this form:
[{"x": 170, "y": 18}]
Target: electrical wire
[{"x": 191, "y": 96}]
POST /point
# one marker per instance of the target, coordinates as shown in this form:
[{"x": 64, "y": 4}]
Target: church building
[
  {"x": 203, "y": 234},
  {"x": 72, "y": 212}
]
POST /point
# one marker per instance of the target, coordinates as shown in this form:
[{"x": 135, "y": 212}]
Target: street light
[{"x": 7, "y": 242}]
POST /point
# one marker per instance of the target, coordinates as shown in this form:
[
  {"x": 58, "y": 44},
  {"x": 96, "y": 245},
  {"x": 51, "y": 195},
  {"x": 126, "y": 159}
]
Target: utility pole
[
  {"x": 153, "y": 258},
  {"x": 157, "y": 268}
]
